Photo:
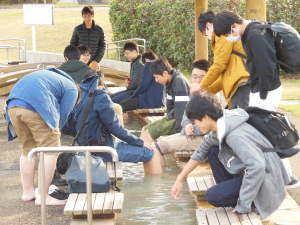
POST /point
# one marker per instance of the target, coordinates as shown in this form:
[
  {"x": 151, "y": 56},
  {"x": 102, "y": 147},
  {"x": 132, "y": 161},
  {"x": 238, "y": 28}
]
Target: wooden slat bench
[
  {"x": 222, "y": 216},
  {"x": 150, "y": 111},
  {"x": 104, "y": 205},
  {"x": 184, "y": 153},
  {"x": 114, "y": 170},
  {"x": 110, "y": 83},
  {"x": 199, "y": 185},
  {"x": 112, "y": 90}
]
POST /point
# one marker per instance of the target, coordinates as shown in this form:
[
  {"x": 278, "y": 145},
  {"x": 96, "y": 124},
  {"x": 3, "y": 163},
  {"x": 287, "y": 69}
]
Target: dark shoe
[
  {"x": 59, "y": 180},
  {"x": 293, "y": 184},
  {"x": 60, "y": 195}
]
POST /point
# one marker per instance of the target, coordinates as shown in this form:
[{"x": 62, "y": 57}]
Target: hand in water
[{"x": 175, "y": 190}]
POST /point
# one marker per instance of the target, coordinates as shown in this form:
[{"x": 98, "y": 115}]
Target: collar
[
  {"x": 136, "y": 59},
  {"x": 93, "y": 25}
]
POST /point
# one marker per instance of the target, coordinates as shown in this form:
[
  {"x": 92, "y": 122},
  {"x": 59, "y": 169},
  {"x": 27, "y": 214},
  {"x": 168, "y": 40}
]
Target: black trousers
[{"x": 129, "y": 104}]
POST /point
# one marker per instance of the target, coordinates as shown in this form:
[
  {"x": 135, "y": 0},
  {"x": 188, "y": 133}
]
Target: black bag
[
  {"x": 276, "y": 127},
  {"x": 287, "y": 44}
]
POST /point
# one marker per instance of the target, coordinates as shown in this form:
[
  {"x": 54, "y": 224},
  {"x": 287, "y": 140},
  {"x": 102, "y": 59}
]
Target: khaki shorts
[
  {"x": 177, "y": 142},
  {"x": 32, "y": 130},
  {"x": 161, "y": 127}
]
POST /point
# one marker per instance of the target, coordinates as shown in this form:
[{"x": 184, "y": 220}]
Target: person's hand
[
  {"x": 147, "y": 145},
  {"x": 195, "y": 88},
  {"x": 176, "y": 189},
  {"x": 189, "y": 129},
  {"x": 94, "y": 64}
]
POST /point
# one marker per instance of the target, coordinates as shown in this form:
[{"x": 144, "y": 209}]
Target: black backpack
[
  {"x": 287, "y": 44},
  {"x": 276, "y": 127}
]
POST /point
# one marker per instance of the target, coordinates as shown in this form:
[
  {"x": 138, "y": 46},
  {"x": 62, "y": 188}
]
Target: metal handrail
[
  {"x": 49, "y": 63},
  {"x": 16, "y": 39},
  {"x": 87, "y": 150},
  {"x": 114, "y": 42}
]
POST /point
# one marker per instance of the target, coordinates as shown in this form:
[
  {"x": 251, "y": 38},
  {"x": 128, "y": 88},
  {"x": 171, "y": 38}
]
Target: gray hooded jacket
[{"x": 240, "y": 152}]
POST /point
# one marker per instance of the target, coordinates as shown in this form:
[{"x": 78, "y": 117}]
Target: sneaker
[
  {"x": 293, "y": 184},
  {"x": 59, "y": 180},
  {"x": 60, "y": 195}
]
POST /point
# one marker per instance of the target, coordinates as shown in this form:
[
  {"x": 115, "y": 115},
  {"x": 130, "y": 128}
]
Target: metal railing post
[
  {"x": 107, "y": 50},
  {"x": 7, "y": 54},
  {"x": 19, "y": 51},
  {"x": 42, "y": 185},
  {"x": 119, "y": 51},
  {"x": 89, "y": 187},
  {"x": 24, "y": 49}
]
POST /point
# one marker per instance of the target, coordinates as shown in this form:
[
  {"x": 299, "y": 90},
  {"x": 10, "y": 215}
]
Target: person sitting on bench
[
  {"x": 245, "y": 175},
  {"x": 190, "y": 136},
  {"x": 102, "y": 123},
  {"x": 149, "y": 93}
]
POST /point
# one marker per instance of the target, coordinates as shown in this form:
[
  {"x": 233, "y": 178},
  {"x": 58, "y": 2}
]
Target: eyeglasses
[
  {"x": 197, "y": 77},
  {"x": 87, "y": 16},
  {"x": 87, "y": 56},
  {"x": 127, "y": 53}
]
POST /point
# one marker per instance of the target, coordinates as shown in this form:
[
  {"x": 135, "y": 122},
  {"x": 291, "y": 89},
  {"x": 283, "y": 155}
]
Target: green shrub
[{"x": 168, "y": 25}]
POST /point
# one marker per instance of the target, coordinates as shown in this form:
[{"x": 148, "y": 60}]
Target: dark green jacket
[{"x": 75, "y": 69}]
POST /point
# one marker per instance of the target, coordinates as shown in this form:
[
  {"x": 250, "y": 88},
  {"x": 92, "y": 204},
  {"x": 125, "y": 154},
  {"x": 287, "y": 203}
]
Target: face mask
[
  {"x": 207, "y": 34},
  {"x": 233, "y": 39}
]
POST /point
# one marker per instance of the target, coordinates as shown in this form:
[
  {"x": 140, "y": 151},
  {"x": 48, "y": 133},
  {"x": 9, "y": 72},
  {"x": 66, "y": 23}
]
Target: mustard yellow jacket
[{"x": 228, "y": 70}]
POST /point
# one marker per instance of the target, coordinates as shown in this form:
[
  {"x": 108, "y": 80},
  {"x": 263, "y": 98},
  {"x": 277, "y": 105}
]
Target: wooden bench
[
  {"x": 113, "y": 90},
  {"x": 110, "y": 83},
  {"x": 199, "y": 185},
  {"x": 104, "y": 205},
  {"x": 222, "y": 216},
  {"x": 114, "y": 170},
  {"x": 151, "y": 111},
  {"x": 184, "y": 153}
]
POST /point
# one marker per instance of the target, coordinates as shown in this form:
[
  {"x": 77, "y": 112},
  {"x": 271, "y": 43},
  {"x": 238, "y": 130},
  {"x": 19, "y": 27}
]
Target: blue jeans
[
  {"x": 119, "y": 96},
  {"x": 227, "y": 190}
]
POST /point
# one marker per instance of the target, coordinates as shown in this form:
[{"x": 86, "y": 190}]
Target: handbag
[{"x": 76, "y": 175}]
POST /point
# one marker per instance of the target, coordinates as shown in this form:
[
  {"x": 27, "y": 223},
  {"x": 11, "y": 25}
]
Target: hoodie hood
[
  {"x": 61, "y": 73},
  {"x": 90, "y": 84},
  {"x": 231, "y": 119},
  {"x": 72, "y": 66}
]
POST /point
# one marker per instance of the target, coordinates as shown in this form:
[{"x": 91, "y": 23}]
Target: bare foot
[
  {"x": 50, "y": 201},
  {"x": 28, "y": 196}
]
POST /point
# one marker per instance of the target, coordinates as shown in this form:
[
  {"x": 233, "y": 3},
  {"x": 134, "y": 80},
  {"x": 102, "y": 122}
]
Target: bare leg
[
  {"x": 120, "y": 118},
  {"x": 146, "y": 167},
  {"x": 147, "y": 138},
  {"x": 50, "y": 163},
  {"x": 142, "y": 133},
  {"x": 161, "y": 157},
  {"x": 125, "y": 116},
  {"x": 27, "y": 178},
  {"x": 154, "y": 165}
]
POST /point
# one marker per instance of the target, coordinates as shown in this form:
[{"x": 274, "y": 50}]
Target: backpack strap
[
  {"x": 276, "y": 149},
  {"x": 85, "y": 116},
  {"x": 241, "y": 55}
]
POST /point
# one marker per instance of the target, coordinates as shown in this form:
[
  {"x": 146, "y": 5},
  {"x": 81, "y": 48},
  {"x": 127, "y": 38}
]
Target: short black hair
[
  {"x": 97, "y": 72},
  {"x": 72, "y": 52},
  {"x": 204, "y": 104},
  {"x": 160, "y": 65},
  {"x": 87, "y": 10},
  {"x": 224, "y": 21},
  {"x": 148, "y": 54},
  {"x": 129, "y": 45},
  {"x": 84, "y": 49},
  {"x": 201, "y": 64},
  {"x": 205, "y": 17}
]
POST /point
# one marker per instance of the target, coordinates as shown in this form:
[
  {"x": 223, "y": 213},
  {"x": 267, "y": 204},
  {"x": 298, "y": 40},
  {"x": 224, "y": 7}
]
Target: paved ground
[{"x": 14, "y": 211}]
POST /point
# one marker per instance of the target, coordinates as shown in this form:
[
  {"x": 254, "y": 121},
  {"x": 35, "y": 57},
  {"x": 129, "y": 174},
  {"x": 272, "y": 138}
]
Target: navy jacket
[
  {"x": 151, "y": 92},
  {"x": 101, "y": 114}
]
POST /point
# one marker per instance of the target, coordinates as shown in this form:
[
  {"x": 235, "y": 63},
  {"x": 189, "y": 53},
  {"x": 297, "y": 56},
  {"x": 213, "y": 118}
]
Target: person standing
[{"x": 90, "y": 34}]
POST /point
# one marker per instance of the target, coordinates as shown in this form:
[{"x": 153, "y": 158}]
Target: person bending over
[
  {"x": 149, "y": 93},
  {"x": 177, "y": 87},
  {"x": 37, "y": 107},
  {"x": 228, "y": 68},
  {"x": 245, "y": 176},
  {"x": 102, "y": 123},
  {"x": 136, "y": 72},
  {"x": 190, "y": 136},
  {"x": 265, "y": 84}
]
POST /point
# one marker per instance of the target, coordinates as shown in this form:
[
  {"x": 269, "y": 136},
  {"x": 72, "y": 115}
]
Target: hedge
[{"x": 168, "y": 25}]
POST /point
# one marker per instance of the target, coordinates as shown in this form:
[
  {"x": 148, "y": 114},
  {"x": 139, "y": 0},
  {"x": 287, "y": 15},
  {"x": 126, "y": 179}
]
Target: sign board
[{"x": 38, "y": 14}]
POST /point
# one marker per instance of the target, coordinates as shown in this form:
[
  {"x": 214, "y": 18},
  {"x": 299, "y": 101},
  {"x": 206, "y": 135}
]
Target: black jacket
[
  {"x": 95, "y": 40},
  {"x": 177, "y": 97},
  {"x": 136, "y": 74},
  {"x": 261, "y": 63}
]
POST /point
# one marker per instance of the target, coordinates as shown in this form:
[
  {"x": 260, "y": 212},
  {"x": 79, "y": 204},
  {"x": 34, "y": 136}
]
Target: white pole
[
  {"x": 74, "y": 1},
  {"x": 33, "y": 39}
]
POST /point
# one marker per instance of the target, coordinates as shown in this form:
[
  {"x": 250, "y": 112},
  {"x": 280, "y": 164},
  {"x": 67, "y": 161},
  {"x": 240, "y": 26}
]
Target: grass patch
[
  {"x": 295, "y": 109},
  {"x": 291, "y": 90},
  {"x": 49, "y": 38}
]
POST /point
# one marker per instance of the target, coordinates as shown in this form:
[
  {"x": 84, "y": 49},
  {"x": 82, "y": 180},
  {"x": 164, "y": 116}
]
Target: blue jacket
[
  {"x": 151, "y": 92},
  {"x": 101, "y": 114},
  {"x": 52, "y": 93}
]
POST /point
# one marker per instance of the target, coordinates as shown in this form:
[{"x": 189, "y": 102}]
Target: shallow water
[{"x": 148, "y": 197}]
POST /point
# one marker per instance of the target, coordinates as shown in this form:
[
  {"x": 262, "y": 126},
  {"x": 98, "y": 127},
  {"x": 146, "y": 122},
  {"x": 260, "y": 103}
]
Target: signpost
[{"x": 38, "y": 14}]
